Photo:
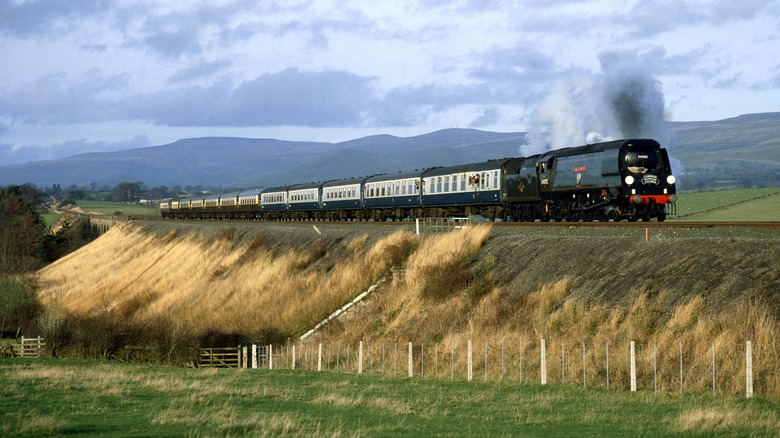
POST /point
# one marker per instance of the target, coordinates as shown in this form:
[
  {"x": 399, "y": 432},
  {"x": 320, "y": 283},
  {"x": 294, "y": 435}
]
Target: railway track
[{"x": 621, "y": 224}]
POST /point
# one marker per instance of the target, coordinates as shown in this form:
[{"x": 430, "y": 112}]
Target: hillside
[
  {"x": 272, "y": 282},
  {"x": 729, "y": 153}
]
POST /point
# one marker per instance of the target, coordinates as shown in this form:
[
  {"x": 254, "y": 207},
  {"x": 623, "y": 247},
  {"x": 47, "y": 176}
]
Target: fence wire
[{"x": 715, "y": 369}]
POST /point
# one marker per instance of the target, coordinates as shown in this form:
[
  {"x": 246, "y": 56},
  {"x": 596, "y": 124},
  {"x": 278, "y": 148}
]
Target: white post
[
  {"x": 254, "y": 356},
  {"x": 544, "y": 363},
  {"x": 293, "y": 358},
  {"x": 411, "y": 361},
  {"x": 749, "y": 369},
  {"x": 360, "y": 358},
  {"x": 319, "y": 359},
  {"x": 470, "y": 370},
  {"x": 633, "y": 367},
  {"x": 417, "y": 225},
  {"x": 270, "y": 357}
]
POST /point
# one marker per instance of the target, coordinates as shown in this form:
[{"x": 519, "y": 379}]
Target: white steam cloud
[{"x": 621, "y": 102}]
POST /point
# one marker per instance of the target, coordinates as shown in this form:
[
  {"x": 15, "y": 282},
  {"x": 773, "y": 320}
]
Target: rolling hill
[{"x": 734, "y": 152}]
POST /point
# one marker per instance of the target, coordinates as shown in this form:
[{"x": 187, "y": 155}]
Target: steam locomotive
[{"x": 615, "y": 180}]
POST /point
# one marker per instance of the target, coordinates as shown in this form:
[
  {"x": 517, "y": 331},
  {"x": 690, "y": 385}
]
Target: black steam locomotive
[{"x": 616, "y": 180}]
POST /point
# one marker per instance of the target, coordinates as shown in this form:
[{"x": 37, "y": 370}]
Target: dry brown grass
[
  {"x": 214, "y": 285},
  {"x": 446, "y": 295}
]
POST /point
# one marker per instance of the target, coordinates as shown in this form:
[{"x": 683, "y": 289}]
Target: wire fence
[{"x": 736, "y": 369}]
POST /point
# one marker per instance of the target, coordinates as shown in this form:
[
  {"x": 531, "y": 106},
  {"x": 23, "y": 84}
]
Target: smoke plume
[{"x": 622, "y": 101}]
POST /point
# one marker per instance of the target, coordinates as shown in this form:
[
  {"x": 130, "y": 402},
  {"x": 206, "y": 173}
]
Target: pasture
[
  {"x": 729, "y": 205},
  {"x": 89, "y": 398}
]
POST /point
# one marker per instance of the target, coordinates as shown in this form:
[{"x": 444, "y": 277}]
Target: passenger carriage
[
  {"x": 249, "y": 204},
  {"x": 273, "y": 202},
  {"x": 343, "y": 199},
  {"x": 464, "y": 190},
  {"x": 392, "y": 196}
]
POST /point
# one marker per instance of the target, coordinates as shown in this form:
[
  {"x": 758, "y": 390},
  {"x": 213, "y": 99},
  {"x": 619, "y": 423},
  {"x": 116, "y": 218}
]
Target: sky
[{"x": 100, "y": 75}]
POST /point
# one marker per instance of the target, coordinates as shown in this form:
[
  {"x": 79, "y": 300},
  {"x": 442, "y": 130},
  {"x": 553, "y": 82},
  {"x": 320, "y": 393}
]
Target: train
[{"x": 628, "y": 179}]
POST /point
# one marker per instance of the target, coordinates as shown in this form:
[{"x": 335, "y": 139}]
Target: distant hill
[
  {"x": 255, "y": 162},
  {"x": 733, "y": 152}
]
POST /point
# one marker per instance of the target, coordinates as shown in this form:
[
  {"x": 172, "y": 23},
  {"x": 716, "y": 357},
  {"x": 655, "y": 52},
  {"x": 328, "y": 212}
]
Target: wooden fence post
[
  {"x": 749, "y": 369},
  {"x": 254, "y": 356},
  {"x": 713, "y": 369},
  {"x": 486, "y": 360},
  {"x": 584, "y": 378},
  {"x": 543, "y": 356},
  {"x": 607, "y": 365},
  {"x": 243, "y": 356},
  {"x": 293, "y": 357},
  {"x": 270, "y": 357},
  {"x": 681, "y": 370},
  {"x": 360, "y": 358},
  {"x": 655, "y": 372},
  {"x": 422, "y": 360},
  {"x": 633, "y": 367},
  {"x": 319, "y": 359},
  {"x": 411, "y": 361},
  {"x": 563, "y": 362},
  {"x": 520, "y": 365},
  {"x": 470, "y": 370}
]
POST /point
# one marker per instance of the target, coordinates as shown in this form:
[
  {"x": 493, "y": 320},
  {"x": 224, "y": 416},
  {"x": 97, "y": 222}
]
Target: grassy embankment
[
  {"x": 87, "y": 398},
  {"x": 282, "y": 280}
]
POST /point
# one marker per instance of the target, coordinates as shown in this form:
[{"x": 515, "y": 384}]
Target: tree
[
  {"x": 127, "y": 192},
  {"x": 21, "y": 230}
]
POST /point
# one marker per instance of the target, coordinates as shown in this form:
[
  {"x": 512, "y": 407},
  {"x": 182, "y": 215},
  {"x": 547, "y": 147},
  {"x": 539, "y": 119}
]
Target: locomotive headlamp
[
  {"x": 670, "y": 179},
  {"x": 629, "y": 180}
]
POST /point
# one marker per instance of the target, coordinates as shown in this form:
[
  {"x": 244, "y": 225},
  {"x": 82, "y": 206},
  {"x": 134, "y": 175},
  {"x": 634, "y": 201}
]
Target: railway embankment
[{"x": 271, "y": 282}]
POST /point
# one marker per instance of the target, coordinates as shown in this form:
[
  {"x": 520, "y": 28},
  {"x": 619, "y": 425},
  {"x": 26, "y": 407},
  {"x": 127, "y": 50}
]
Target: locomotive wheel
[{"x": 587, "y": 216}]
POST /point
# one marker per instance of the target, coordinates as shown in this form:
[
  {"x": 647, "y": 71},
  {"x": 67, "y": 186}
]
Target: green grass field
[
  {"x": 109, "y": 208},
  {"x": 97, "y": 398},
  {"x": 730, "y": 205}
]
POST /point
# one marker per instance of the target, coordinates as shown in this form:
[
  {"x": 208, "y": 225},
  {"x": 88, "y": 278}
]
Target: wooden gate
[{"x": 219, "y": 357}]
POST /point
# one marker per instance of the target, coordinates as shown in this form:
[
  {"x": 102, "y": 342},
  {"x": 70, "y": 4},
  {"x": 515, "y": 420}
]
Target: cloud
[
  {"x": 32, "y": 17},
  {"x": 58, "y": 99},
  {"x": 200, "y": 70},
  {"x": 290, "y": 97},
  {"x": 489, "y": 117},
  {"x": 18, "y": 154}
]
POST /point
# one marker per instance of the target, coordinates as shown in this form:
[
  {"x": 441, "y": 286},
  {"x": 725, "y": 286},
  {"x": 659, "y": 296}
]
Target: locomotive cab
[{"x": 648, "y": 183}]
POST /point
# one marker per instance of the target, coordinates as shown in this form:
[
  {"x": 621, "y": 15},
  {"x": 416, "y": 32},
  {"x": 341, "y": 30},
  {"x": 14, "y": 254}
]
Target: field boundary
[{"x": 738, "y": 370}]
